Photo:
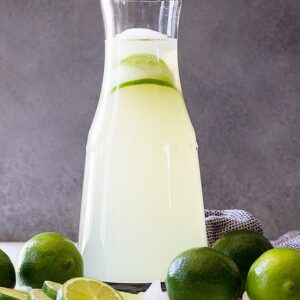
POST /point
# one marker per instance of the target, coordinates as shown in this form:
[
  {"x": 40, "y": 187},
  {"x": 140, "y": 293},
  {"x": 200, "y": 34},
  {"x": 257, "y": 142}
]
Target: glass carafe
[{"x": 142, "y": 199}]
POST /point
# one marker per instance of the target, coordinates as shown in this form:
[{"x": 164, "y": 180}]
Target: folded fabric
[
  {"x": 289, "y": 240},
  {"x": 219, "y": 222}
]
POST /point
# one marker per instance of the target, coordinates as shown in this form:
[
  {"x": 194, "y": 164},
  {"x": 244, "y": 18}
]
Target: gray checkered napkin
[{"x": 219, "y": 222}]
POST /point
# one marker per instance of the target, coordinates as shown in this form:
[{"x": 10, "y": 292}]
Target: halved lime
[
  {"x": 10, "y": 294},
  {"x": 51, "y": 289},
  {"x": 87, "y": 289},
  {"x": 37, "y": 294}
]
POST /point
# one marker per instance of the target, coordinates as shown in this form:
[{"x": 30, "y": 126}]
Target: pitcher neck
[
  {"x": 158, "y": 15},
  {"x": 141, "y": 42}
]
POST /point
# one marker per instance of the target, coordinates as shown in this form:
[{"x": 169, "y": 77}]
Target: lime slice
[
  {"x": 87, "y": 289},
  {"x": 37, "y": 294},
  {"x": 51, "y": 288},
  {"x": 142, "y": 69},
  {"x": 143, "y": 81},
  {"x": 128, "y": 296},
  {"x": 151, "y": 65},
  {"x": 10, "y": 294}
]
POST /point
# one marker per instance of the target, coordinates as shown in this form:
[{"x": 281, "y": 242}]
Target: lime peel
[
  {"x": 143, "y": 81},
  {"x": 51, "y": 289}
]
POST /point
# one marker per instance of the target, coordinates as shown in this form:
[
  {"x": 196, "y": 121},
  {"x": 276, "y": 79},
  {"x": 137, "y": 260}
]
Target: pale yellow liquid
[{"x": 142, "y": 200}]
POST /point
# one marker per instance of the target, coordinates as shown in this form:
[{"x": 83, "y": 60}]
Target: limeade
[{"x": 142, "y": 199}]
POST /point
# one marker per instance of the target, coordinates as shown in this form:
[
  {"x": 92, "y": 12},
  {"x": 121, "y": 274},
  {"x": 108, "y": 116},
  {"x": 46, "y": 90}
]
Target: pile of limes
[
  {"x": 51, "y": 264},
  {"x": 239, "y": 260},
  {"x": 74, "y": 289}
]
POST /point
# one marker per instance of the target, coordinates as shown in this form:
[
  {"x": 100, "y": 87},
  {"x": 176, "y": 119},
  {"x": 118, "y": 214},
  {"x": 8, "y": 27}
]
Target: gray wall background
[{"x": 240, "y": 70}]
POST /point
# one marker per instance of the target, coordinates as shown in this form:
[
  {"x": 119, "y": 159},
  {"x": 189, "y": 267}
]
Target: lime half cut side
[
  {"x": 10, "y": 294},
  {"x": 87, "y": 289},
  {"x": 38, "y": 294},
  {"x": 51, "y": 289}
]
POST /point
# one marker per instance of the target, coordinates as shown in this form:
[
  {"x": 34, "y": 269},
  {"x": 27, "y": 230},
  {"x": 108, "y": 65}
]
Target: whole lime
[
  {"x": 275, "y": 275},
  {"x": 243, "y": 247},
  {"x": 48, "y": 256},
  {"x": 203, "y": 274},
  {"x": 7, "y": 271}
]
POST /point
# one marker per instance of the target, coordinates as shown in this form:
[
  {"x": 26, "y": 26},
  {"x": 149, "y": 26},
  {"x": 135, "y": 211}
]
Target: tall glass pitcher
[{"x": 142, "y": 199}]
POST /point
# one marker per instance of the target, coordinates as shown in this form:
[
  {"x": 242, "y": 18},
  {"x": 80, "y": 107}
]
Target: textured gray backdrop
[{"x": 240, "y": 70}]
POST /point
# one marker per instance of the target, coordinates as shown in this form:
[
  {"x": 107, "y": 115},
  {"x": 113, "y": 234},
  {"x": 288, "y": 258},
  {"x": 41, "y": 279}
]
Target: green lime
[
  {"x": 36, "y": 294},
  {"x": 243, "y": 247},
  {"x": 85, "y": 288},
  {"x": 48, "y": 256},
  {"x": 140, "y": 69},
  {"x": 51, "y": 289},
  {"x": 10, "y": 294},
  {"x": 275, "y": 275},
  {"x": 7, "y": 271},
  {"x": 203, "y": 274}
]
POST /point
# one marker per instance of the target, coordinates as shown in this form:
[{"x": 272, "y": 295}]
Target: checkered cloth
[
  {"x": 219, "y": 222},
  {"x": 289, "y": 240}
]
